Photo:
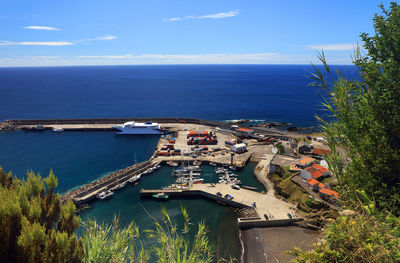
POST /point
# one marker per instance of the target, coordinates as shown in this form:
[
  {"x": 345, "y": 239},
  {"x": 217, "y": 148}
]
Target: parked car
[
  {"x": 289, "y": 215},
  {"x": 266, "y": 217},
  {"x": 219, "y": 194}
]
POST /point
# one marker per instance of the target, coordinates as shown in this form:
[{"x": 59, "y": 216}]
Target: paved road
[{"x": 277, "y": 208}]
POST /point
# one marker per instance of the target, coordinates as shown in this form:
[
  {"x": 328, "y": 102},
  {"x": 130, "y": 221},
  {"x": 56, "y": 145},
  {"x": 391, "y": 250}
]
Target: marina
[{"x": 179, "y": 145}]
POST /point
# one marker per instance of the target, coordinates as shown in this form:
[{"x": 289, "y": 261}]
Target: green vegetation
[
  {"x": 34, "y": 226},
  {"x": 280, "y": 147},
  {"x": 104, "y": 243},
  {"x": 363, "y": 132}
]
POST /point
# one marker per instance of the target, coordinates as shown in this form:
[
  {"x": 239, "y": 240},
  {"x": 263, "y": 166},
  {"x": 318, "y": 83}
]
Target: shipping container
[{"x": 230, "y": 143}]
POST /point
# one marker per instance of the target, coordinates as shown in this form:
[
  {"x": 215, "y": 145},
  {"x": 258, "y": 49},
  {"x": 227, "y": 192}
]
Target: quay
[
  {"x": 267, "y": 205},
  {"x": 242, "y": 198},
  {"x": 105, "y": 124}
]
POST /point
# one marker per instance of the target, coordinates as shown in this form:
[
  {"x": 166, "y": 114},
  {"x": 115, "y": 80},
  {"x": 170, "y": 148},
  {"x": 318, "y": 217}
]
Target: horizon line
[{"x": 185, "y": 64}]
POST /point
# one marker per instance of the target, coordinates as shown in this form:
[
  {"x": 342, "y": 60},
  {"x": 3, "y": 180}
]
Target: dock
[
  {"x": 266, "y": 204},
  {"x": 242, "y": 198},
  {"x": 88, "y": 192},
  {"x": 105, "y": 124}
]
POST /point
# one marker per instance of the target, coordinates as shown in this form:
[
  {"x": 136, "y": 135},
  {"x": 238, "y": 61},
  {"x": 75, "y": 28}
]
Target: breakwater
[
  {"x": 107, "y": 123},
  {"x": 87, "y": 192}
]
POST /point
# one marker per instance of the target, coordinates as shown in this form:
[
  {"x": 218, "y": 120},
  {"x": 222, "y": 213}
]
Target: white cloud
[
  {"x": 210, "y": 16},
  {"x": 108, "y": 37},
  {"x": 256, "y": 58},
  {"x": 333, "y": 47},
  {"x": 152, "y": 59},
  {"x": 28, "y": 43},
  {"x": 48, "y": 28},
  {"x": 55, "y": 43}
]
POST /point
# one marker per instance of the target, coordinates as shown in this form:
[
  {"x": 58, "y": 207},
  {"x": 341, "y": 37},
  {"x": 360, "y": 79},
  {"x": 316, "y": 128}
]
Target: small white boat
[
  {"x": 118, "y": 186},
  {"x": 236, "y": 187},
  {"x": 148, "y": 171},
  {"x": 58, "y": 130},
  {"x": 197, "y": 163},
  {"x": 105, "y": 194},
  {"x": 133, "y": 179},
  {"x": 198, "y": 181},
  {"x": 157, "y": 167},
  {"x": 213, "y": 164},
  {"x": 222, "y": 181},
  {"x": 171, "y": 163},
  {"x": 236, "y": 181},
  {"x": 220, "y": 171},
  {"x": 233, "y": 168}
]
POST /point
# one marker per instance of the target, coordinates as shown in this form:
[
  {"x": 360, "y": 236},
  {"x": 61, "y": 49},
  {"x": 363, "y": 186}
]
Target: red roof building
[
  {"x": 320, "y": 151},
  {"x": 328, "y": 194},
  {"x": 314, "y": 184}
]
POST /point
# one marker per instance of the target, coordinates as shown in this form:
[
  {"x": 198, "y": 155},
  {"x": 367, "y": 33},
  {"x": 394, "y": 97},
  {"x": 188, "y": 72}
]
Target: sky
[{"x": 133, "y": 32}]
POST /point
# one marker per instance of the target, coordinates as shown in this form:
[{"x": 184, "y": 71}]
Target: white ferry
[{"x": 133, "y": 127}]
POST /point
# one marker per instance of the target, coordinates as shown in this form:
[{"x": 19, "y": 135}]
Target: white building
[{"x": 239, "y": 148}]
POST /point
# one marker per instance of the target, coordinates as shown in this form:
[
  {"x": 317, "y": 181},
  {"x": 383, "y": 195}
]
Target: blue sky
[{"x": 128, "y": 32}]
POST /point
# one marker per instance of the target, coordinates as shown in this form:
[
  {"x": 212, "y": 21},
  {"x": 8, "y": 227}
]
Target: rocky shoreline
[
  {"x": 273, "y": 124},
  {"x": 70, "y": 194},
  {"x": 7, "y": 126}
]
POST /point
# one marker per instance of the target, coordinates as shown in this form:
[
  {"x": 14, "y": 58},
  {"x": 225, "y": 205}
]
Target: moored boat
[
  {"x": 171, "y": 163},
  {"x": 133, "y": 179},
  {"x": 118, "y": 186},
  {"x": 236, "y": 187},
  {"x": 133, "y": 127},
  {"x": 161, "y": 196},
  {"x": 105, "y": 194}
]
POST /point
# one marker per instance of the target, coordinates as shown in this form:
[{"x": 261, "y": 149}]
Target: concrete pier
[
  {"x": 107, "y": 123},
  {"x": 243, "y": 198}
]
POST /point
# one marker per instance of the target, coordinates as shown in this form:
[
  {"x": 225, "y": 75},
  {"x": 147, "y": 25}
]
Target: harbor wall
[
  {"x": 114, "y": 121},
  {"x": 87, "y": 192},
  {"x": 250, "y": 223},
  {"x": 195, "y": 193},
  {"x": 18, "y": 124}
]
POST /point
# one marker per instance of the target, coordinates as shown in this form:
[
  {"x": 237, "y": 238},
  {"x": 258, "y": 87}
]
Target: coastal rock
[
  {"x": 272, "y": 124},
  {"x": 7, "y": 126},
  {"x": 239, "y": 122},
  {"x": 246, "y": 212}
]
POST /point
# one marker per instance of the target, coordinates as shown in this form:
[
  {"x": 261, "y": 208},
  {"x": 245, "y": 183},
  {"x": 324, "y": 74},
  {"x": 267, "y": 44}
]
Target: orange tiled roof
[
  {"x": 329, "y": 192},
  {"x": 306, "y": 160},
  {"x": 293, "y": 167},
  {"x": 312, "y": 181},
  {"x": 320, "y": 151},
  {"x": 317, "y": 174},
  {"x": 320, "y": 168}
]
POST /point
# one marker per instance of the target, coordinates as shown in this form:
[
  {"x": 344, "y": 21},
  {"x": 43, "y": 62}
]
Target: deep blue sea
[{"x": 216, "y": 92}]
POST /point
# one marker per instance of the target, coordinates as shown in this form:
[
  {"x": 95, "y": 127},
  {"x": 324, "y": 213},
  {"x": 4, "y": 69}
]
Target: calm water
[
  {"x": 216, "y": 92},
  {"x": 257, "y": 92}
]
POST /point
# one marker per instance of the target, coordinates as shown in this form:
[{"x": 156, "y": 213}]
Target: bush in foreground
[
  {"x": 364, "y": 135},
  {"x": 34, "y": 226}
]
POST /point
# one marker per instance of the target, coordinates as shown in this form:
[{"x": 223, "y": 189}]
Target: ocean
[{"x": 215, "y": 92}]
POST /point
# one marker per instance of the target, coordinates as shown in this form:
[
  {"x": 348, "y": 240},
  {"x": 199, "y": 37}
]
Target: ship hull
[{"x": 142, "y": 131}]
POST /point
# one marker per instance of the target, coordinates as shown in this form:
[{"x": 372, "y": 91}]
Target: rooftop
[
  {"x": 329, "y": 192},
  {"x": 320, "y": 168},
  {"x": 306, "y": 160},
  {"x": 320, "y": 151}
]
